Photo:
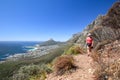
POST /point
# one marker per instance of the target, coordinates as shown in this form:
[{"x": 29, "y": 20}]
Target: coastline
[
  {"x": 21, "y": 55},
  {"x": 33, "y": 52},
  {"x": 15, "y": 48}
]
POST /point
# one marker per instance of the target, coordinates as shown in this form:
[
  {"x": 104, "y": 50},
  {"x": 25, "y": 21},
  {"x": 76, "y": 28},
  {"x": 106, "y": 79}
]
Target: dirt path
[{"x": 84, "y": 71}]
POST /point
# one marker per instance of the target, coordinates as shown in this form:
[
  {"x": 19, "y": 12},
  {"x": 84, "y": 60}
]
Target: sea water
[{"x": 8, "y": 48}]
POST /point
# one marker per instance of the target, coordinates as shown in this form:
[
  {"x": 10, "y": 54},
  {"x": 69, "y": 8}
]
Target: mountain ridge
[{"x": 101, "y": 28}]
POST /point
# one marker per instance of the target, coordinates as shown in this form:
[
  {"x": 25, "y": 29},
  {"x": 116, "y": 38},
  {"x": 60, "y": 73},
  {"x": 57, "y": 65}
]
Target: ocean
[{"x": 8, "y": 48}]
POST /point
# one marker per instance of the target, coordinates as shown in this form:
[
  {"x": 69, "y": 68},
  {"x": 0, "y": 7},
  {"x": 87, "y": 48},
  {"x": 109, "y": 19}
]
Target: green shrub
[
  {"x": 21, "y": 76},
  {"x": 32, "y": 72},
  {"x": 75, "y": 50}
]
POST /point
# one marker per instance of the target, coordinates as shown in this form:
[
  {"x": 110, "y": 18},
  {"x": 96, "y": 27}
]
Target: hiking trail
[{"x": 83, "y": 72}]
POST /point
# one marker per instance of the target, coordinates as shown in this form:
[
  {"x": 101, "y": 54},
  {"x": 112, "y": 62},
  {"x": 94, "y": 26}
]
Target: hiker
[{"x": 89, "y": 42}]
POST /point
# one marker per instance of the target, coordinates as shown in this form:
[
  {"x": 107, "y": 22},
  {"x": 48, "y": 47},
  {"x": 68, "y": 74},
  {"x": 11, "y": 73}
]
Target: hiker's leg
[{"x": 88, "y": 50}]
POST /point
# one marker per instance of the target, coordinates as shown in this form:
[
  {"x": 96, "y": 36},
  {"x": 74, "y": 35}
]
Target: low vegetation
[
  {"x": 64, "y": 64},
  {"x": 107, "y": 62},
  {"x": 12, "y": 68},
  {"x": 75, "y": 50},
  {"x": 32, "y": 72},
  {"x": 100, "y": 67}
]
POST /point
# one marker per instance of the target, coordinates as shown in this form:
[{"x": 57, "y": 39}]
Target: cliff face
[
  {"x": 104, "y": 29},
  {"x": 79, "y": 38},
  {"x": 109, "y": 28}
]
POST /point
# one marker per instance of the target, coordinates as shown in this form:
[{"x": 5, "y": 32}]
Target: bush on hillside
[
  {"x": 75, "y": 50},
  {"x": 64, "y": 64},
  {"x": 32, "y": 72}
]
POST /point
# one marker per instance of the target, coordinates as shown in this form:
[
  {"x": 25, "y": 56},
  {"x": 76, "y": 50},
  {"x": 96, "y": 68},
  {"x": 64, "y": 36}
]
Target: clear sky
[{"x": 40, "y": 20}]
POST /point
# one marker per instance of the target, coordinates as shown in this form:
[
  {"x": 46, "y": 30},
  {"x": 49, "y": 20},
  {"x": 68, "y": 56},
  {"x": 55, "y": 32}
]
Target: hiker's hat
[{"x": 89, "y": 34}]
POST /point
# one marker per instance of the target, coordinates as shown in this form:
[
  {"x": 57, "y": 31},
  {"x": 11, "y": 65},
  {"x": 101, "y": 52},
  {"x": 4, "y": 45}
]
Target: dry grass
[
  {"x": 100, "y": 66},
  {"x": 101, "y": 44},
  {"x": 108, "y": 72},
  {"x": 64, "y": 64},
  {"x": 107, "y": 62},
  {"x": 113, "y": 70},
  {"x": 95, "y": 56}
]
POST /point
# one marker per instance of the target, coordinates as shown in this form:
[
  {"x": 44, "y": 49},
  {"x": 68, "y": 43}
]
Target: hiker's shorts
[{"x": 89, "y": 44}]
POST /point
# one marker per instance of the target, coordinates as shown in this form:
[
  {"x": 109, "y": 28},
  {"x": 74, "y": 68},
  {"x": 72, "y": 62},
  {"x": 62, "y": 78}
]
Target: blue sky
[{"x": 40, "y": 20}]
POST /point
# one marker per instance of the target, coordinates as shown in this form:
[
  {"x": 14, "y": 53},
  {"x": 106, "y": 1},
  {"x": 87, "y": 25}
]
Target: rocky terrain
[
  {"x": 104, "y": 29},
  {"x": 79, "y": 38}
]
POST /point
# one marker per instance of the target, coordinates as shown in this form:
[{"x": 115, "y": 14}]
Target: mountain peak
[{"x": 51, "y": 40}]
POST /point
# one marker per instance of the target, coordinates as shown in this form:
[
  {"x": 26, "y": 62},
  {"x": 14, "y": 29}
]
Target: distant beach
[
  {"x": 15, "y": 48},
  {"x": 31, "y": 48}
]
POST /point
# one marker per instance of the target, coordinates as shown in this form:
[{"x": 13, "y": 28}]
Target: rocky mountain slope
[{"x": 104, "y": 29}]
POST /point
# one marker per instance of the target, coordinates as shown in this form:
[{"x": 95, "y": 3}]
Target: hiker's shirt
[{"x": 89, "y": 41}]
